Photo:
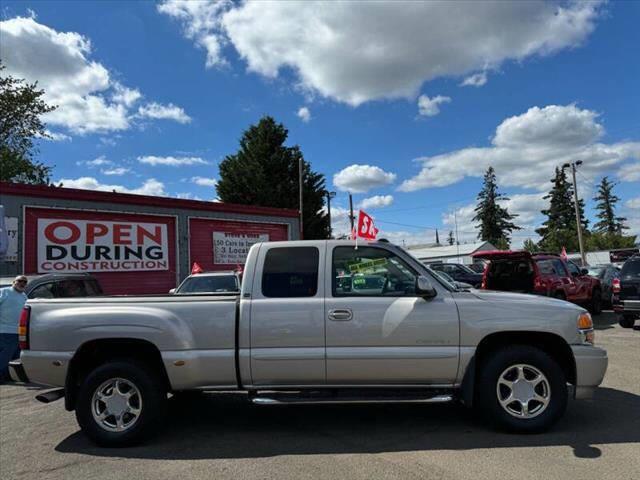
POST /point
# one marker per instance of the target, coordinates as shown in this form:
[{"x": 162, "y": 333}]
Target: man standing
[{"x": 12, "y": 300}]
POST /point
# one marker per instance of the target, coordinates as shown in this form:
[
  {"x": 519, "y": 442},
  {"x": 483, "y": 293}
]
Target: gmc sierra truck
[{"x": 315, "y": 322}]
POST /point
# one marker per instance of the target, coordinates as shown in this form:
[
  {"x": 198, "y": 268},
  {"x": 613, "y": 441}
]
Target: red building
[{"x": 133, "y": 244}]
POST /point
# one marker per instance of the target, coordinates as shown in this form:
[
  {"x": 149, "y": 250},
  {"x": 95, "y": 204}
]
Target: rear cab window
[{"x": 290, "y": 272}]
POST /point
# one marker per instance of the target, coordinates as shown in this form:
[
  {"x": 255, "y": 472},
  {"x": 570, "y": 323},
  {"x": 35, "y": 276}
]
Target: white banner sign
[
  {"x": 8, "y": 239},
  {"x": 232, "y": 248},
  {"x": 99, "y": 246}
]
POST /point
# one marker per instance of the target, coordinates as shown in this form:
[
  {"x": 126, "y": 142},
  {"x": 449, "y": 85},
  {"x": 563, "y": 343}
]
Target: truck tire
[
  {"x": 627, "y": 321},
  {"x": 521, "y": 389},
  {"x": 121, "y": 403},
  {"x": 595, "y": 306}
]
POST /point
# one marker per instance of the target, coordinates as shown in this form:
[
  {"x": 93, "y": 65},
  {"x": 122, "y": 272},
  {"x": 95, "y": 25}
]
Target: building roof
[
  {"x": 450, "y": 250},
  {"x": 142, "y": 200}
]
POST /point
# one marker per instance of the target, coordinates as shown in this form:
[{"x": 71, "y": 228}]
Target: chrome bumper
[
  {"x": 591, "y": 365},
  {"x": 16, "y": 371}
]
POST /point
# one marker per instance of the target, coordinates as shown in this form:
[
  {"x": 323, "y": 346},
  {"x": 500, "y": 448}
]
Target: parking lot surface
[{"x": 222, "y": 436}]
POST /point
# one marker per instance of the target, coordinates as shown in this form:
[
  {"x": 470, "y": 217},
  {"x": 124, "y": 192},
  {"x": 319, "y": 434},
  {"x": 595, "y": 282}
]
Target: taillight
[
  {"x": 23, "y": 328},
  {"x": 615, "y": 285},
  {"x": 539, "y": 284}
]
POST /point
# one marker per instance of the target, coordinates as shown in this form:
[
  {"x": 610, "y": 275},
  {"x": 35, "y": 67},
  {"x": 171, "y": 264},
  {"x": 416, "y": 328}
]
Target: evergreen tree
[
  {"x": 495, "y": 222},
  {"x": 559, "y": 229},
  {"x": 451, "y": 240},
  {"x": 530, "y": 246},
  {"x": 21, "y": 107},
  {"x": 265, "y": 172},
  {"x": 606, "y": 206}
]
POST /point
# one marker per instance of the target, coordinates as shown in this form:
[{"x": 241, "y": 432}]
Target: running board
[{"x": 297, "y": 400}]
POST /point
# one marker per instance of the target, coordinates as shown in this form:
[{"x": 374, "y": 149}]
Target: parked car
[
  {"x": 606, "y": 273},
  {"x": 460, "y": 285},
  {"x": 295, "y": 335},
  {"x": 59, "y": 285},
  {"x": 209, "y": 282},
  {"x": 459, "y": 272},
  {"x": 541, "y": 274},
  {"x": 626, "y": 291}
]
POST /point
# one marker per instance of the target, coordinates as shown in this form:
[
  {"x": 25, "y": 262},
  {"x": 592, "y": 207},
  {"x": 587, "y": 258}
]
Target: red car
[{"x": 541, "y": 274}]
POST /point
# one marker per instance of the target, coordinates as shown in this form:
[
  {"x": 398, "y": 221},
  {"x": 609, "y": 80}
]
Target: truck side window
[
  {"x": 370, "y": 271},
  {"x": 43, "y": 291},
  {"x": 290, "y": 272}
]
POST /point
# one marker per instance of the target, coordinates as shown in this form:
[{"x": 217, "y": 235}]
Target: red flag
[
  {"x": 195, "y": 269},
  {"x": 366, "y": 228},
  {"x": 563, "y": 254}
]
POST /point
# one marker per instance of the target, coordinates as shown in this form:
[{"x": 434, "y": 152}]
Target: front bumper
[{"x": 591, "y": 365}]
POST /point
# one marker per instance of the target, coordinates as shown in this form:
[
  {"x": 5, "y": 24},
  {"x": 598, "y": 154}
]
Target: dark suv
[
  {"x": 626, "y": 292},
  {"x": 459, "y": 272}
]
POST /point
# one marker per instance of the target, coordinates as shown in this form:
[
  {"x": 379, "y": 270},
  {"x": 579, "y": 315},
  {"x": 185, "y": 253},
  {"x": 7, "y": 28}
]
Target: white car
[{"x": 209, "y": 282}]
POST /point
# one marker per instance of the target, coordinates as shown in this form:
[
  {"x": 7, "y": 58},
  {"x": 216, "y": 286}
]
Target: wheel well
[
  {"x": 96, "y": 352},
  {"x": 552, "y": 344}
]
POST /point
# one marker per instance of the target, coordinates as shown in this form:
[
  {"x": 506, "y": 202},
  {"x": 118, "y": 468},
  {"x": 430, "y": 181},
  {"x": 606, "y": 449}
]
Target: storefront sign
[
  {"x": 232, "y": 248},
  {"x": 99, "y": 246}
]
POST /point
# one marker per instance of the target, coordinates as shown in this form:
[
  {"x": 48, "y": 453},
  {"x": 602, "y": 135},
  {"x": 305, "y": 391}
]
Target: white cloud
[
  {"x": 204, "y": 181},
  {"x": 377, "y": 201},
  {"x": 56, "y": 136},
  {"x": 304, "y": 114},
  {"x": 98, "y": 162},
  {"x": 163, "y": 112},
  {"x": 126, "y": 96},
  {"x": 89, "y": 100},
  {"x": 362, "y": 178},
  {"x": 354, "y": 52},
  {"x": 149, "y": 187},
  {"x": 475, "y": 80},
  {"x": 171, "y": 161},
  {"x": 116, "y": 171},
  {"x": 633, "y": 203},
  {"x": 430, "y": 107},
  {"x": 525, "y": 150},
  {"x": 630, "y": 172}
]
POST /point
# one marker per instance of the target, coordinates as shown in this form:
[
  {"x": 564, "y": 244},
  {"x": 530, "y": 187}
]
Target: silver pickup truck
[{"x": 315, "y": 322}]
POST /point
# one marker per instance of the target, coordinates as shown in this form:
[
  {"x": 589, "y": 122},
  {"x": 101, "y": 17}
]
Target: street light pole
[{"x": 577, "y": 208}]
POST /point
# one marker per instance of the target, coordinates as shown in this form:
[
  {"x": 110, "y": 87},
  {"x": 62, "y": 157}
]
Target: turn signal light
[
  {"x": 615, "y": 285},
  {"x": 585, "y": 322},
  {"x": 23, "y": 328}
]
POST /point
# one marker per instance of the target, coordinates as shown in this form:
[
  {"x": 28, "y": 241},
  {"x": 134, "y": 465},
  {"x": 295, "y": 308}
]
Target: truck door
[
  {"x": 378, "y": 330},
  {"x": 287, "y": 317}
]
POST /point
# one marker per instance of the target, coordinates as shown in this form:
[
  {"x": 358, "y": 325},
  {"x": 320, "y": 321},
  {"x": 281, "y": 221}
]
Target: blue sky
[{"x": 405, "y": 105}]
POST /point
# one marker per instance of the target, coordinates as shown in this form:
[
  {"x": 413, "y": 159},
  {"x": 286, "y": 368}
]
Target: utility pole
[
  {"x": 330, "y": 195},
  {"x": 351, "y": 217},
  {"x": 300, "y": 167},
  {"x": 573, "y": 166}
]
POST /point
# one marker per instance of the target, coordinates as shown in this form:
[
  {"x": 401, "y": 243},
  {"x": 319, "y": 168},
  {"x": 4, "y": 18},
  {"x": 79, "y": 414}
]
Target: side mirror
[
  {"x": 424, "y": 287},
  {"x": 584, "y": 271},
  {"x": 172, "y": 291}
]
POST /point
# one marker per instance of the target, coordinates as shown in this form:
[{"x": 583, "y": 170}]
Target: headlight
[{"x": 585, "y": 327}]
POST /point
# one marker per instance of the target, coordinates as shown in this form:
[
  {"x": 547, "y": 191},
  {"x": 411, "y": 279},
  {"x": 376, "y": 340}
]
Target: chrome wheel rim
[
  {"x": 523, "y": 391},
  {"x": 116, "y": 405}
]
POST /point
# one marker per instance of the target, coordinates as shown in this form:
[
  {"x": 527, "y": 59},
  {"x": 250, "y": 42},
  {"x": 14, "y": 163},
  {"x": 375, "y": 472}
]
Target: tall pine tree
[
  {"x": 606, "y": 206},
  {"x": 451, "y": 240},
  {"x": 495, "y": 222},
  {"x": 265, "y": 172},
  {"x": 559, "y": 229}
]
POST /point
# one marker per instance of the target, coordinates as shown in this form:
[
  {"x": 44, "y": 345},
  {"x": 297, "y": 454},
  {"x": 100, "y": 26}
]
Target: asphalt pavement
[{"x": 222, "y": 436}]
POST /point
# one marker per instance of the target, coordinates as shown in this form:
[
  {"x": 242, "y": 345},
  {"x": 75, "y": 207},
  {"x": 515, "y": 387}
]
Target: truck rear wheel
[
  {"x": 522, "y": 389},
  {"x": 595, "y": 306},
  {"x": 120, "y": 403}
]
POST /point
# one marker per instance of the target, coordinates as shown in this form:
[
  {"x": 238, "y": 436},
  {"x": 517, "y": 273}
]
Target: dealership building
[{"x": 133, "y": 244}]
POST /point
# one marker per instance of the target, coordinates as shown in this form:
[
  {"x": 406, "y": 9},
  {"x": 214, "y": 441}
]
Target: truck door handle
[{"x": 340, "y": 315}]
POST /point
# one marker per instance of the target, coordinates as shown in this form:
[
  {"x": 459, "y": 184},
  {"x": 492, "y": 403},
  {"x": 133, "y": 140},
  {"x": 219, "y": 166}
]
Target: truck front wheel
[
  {"x": 522, "y": 389},
  {"x": 120, "y": 403}
]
